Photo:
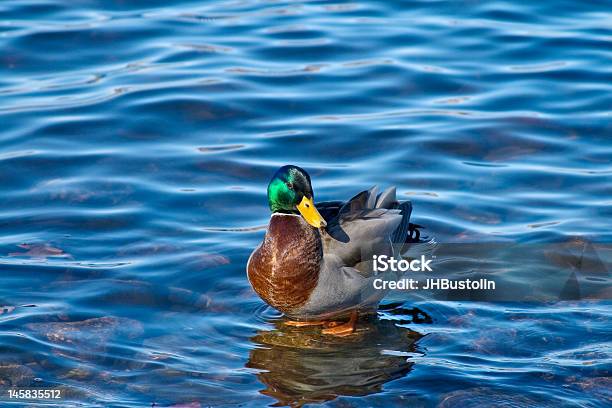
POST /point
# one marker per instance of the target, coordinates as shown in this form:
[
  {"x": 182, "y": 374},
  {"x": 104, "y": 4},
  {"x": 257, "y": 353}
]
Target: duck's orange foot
[
  {"x": 296, "y": 323},
  {"x": 341, "y": 330}
]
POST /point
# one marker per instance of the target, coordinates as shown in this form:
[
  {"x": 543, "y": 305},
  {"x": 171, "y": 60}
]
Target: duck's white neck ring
[{"x": 285, "y": 214}]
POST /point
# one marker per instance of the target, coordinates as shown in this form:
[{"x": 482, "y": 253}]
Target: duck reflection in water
[{"x": 299, "y": 365}]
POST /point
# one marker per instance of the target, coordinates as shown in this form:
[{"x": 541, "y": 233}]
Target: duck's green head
[{"x": 290, "y": 192}]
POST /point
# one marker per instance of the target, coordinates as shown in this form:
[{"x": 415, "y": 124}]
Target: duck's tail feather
[
  {"x": 387, "y": 199},
  {"x": 403, "y": 230},
  {"x": 366, "y": 200}
]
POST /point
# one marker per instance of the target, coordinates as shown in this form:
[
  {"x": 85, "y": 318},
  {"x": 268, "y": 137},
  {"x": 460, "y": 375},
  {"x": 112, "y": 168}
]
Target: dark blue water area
[{"x": 136, "y": 142}]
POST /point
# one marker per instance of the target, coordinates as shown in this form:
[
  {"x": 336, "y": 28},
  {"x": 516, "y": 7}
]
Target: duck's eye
[
  {"x": 307, "y": 205},
  {"x": 290, "y": 186}
]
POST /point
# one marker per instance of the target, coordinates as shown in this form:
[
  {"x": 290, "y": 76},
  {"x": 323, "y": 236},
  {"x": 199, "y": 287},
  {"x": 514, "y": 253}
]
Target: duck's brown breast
[{"x": 284, "y": 269}]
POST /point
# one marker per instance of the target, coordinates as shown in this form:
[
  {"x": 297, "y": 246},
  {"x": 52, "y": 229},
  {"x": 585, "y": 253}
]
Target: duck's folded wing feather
[
  {"x": 367, "y": 234},
  {"x": 329, "y": 209},
  {"x": 366, "y": 225}
]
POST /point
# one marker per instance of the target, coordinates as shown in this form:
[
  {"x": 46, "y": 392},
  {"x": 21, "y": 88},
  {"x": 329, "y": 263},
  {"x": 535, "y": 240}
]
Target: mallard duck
[{"x": 315, "y": 261}]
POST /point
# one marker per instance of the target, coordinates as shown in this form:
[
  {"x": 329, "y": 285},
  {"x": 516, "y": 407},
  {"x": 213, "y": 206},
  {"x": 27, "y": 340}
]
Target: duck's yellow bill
[{"x": 310, "y": 213}]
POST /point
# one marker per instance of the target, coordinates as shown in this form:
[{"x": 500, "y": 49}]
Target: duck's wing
[
  {"x": 329, "y": 209},
  {"x": 366, "y": 225}
]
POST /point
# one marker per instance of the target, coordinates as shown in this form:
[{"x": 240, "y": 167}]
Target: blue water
[{"x": 136, "y": 141}]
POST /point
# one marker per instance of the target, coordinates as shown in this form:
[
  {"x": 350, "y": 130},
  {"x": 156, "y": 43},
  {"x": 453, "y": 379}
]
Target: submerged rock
[
  {"x": 187, "y": 405},
  {"x": 90, "y": 334},
  {"x": 599, "y": 387},
  {"x": 206, "y": 261},
  {"x": 15, "y": 375},
  {"x": 40, "y": 251},
  {"x": 487, "y": 397}
]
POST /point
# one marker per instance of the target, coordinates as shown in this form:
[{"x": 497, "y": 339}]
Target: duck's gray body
[{"x": 367, "y": 225}]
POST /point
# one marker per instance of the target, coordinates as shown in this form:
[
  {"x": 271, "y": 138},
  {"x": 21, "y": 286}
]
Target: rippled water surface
[{"x": 136, "y": 141}]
